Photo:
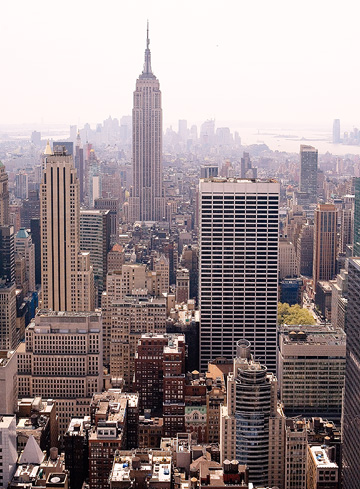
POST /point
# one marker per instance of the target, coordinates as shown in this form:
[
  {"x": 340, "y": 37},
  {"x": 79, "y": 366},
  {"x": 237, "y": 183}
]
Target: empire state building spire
[{"x": 147, "y": 73}]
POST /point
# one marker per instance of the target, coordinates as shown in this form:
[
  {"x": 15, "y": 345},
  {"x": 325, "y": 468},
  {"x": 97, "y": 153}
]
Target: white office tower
[
  {"x": 8, "y": 453},
  {"x": 238, "y": 222}
]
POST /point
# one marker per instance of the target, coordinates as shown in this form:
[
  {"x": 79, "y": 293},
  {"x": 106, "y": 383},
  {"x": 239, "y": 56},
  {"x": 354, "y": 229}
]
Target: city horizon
[{"x": 288, "y": 77}]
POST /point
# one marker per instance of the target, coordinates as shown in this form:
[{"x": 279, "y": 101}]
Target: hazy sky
[{"x": 73, "y": 61}]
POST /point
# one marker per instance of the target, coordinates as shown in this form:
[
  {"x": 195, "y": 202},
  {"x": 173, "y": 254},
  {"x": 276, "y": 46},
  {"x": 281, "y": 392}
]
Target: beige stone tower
[
  {"x": 147, "y": 201},
  {"x": 325, "y": 242},
  {"x": 62, "y": 287}
]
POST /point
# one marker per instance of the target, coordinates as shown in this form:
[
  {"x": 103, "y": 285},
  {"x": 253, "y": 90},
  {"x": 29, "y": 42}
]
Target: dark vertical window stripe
[
  {"x": 58, "y": 230},
  {"x": 65, "y": 247},
  {"x": 52, "y": 238}
]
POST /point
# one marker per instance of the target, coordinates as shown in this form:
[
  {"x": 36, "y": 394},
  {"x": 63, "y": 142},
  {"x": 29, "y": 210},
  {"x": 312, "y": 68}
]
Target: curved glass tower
[{"x": 252, "y": 413}]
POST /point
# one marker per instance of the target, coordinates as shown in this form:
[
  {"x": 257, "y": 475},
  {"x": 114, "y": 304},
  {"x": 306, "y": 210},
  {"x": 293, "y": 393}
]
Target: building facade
[
  {"x": 60, "y": 235},
  {"x": 7, "y": 253},
  {"x": 251, "y": 403},
  {"x": 8, "y": 452},
  {"x": 8, "y": 333},
  {"x": 305, "y": 249},
  {"x": 24, "y": 247},
  {"x": 351, "y": 426},
  {"x": 325, "y": 242},
  {"x": 311, "y": 369},
  {"x": 147, "y": 201},
  {"x": 95, "y": 238},
  {"x": 356, "y": 249},
  {"x": 238, "y": 278},
  {"x": 308, "y": 172},
  {"x": 8, "y": 381},
  {"x": 61, "y": 359},
  {"x": 4, "y": 196},
  {"x": 130, "y": 318}
]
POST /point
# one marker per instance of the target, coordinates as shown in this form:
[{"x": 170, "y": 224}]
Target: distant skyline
[{"x": 263, "y": 62}]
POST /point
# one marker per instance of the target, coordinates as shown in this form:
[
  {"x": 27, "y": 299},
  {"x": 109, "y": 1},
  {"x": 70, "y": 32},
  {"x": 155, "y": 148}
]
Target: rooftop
[
  {"x": 70, "y": 314},
  {"x": 32, "y": 453},
  {"x": 321, "y": 458},
  {"x": 5, "y": 421},
  {"x": 236, "y": 180},
  {"x": 5, "y": 357},
  {"x": 155, "y": 465},
  {"x": 78, "y": 426},
  {"x": 312, "y": 335},
  {"x": 22, "y": 233}
]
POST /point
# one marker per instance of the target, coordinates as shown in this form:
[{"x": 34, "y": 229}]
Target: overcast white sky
[{"x": 73, "y": 61}]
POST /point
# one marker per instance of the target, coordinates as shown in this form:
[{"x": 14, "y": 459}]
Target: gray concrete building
[{"x": 311, "y": 369}]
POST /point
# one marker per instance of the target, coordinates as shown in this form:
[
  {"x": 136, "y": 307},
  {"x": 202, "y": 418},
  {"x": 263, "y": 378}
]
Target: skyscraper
[
  {"x": 308, "y": 172},
  {"x": 25, "y": 247},
  {"x": 251, "y": 402},
  {"x": 336, "y": 131},
  {"x": 305, "y": 249},
  {"x": 4, "y": 196},
  {"x": 147, "y": 201},
  {"x": 36, "y": 239},
  {"x": 239, "y": 223},
  {"x": 356, "y": 249},
  {"x": 62, "y": 272},
  {"x": 351, "y": 424},
  {"x": 95, "y": 237},
  {"x": 325, "y": 242},
  {"x": 79, "y": 165},
  {"x": 8, "y": 449},
  {"x": 183, "y": 130},
  {"x": 7, "y": 253},
  {"x": 8, "y": 334}
]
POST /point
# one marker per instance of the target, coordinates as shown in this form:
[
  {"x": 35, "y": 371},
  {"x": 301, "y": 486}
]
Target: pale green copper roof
[{"x": 22, "y": 233}]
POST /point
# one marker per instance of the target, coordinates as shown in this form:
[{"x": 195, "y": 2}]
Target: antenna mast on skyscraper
[
  {"x": 147, "y": 35},
  {"x": 147, "y": 64}
]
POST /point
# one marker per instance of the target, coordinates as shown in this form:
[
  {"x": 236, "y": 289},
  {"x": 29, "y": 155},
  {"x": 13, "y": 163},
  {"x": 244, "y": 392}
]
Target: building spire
[
  {"x": 48, "y": 150},
  {"x": 147, "y": 63},
  {"x": 147, "y": 36}
]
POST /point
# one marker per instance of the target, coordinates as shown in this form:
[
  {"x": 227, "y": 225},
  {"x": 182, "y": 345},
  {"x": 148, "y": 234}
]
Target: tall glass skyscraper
[
  {"x": 147, "y": 201},
  {"x": 238, "y": 278}
]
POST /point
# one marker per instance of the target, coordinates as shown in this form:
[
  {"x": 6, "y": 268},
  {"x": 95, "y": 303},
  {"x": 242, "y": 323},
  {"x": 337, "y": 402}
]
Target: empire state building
[{"x": 147, "y": 201}]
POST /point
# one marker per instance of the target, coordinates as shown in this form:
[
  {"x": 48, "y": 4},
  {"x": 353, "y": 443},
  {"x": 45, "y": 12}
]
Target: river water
[{"x": 290, "y": 140}]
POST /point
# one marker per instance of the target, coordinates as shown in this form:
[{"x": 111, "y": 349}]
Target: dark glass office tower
[
  {"x": 357, "y": 217},
  {"x": 351, "y": 415}
]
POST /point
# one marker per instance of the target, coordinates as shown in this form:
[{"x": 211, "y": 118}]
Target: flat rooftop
[
  {"x": 237, "y": 180},
  {"x": 5, "y": 421},
  {"x": 321, "y": 458},
  {"x": 312, "y": 335},
  {"x": 48, "y": 313}
]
